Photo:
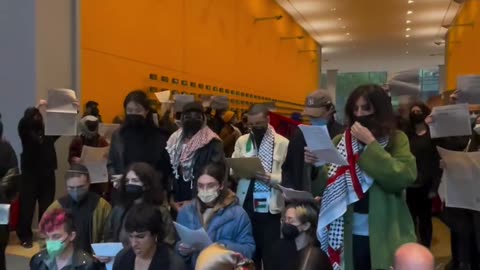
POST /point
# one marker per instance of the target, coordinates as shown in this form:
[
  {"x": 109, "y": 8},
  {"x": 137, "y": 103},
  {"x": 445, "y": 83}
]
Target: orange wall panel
[
  {"x": 215, "y": 42},
  {"x": 463, "y": 53}
]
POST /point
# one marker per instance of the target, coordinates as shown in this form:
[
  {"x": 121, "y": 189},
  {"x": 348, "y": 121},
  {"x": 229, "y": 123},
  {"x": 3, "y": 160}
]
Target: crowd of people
[{"x": 365, "y": 215}]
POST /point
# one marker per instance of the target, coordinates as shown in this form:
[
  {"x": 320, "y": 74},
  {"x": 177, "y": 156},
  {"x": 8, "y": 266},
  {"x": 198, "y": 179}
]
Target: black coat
[
  {"x": 164, "y": 259},
  {"x": 293, "y": 167},
  {"x": 80, "y": 261}
]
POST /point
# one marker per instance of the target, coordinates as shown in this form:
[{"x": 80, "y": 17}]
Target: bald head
[{"x": 413, "y": 256}]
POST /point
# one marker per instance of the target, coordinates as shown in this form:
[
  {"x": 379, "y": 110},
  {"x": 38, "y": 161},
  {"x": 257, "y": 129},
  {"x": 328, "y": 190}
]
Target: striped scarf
[
  {"x": 265, "y": 153},
  {"x": 346, "y": 185}
]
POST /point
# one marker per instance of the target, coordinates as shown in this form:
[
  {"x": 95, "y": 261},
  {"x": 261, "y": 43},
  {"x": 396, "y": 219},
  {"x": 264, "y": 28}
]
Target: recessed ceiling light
[
  {"x": 339, "y": 19},
  {"x": 333, "y": 9},
  {"x": 406, "y": 44},
  {"x": 348, "y": 34},
  {"x": 410, "y": 1},
  {"x": 408, "y": 29},
  {"x": 408, "y": 21},
  {"x": 407, "y": 36},
  {"x": 344, "y": 27},
  {"x": 409, "y": 12},
  {"x": 406, "y": 52}
]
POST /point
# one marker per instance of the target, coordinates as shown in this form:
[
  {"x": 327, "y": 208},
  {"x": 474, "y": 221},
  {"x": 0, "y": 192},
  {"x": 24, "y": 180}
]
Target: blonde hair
[{"x": 306, "y": 213}]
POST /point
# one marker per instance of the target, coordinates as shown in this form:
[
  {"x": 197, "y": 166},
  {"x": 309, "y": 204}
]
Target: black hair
[
  {"x": 91, "y": 103},
  {"x": 425, "y": 110},
  {"x": 376, "y": 96},
  {"x": 217, "y": 170},
  {"x": 139, "y": 97},
  {"x": 144, "y": 217},
  {"x": 258, "y": 108},
  {"x": 151, "y": 180},
  {"x": 77, "y": 170}
]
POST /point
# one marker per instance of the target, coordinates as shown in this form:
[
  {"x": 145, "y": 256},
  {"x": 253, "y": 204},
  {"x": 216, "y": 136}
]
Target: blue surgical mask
[{"x": 318, "y": 121}]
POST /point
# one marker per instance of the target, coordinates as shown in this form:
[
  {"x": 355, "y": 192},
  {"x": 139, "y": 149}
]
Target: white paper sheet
[
  {"x": 245, "y": 167},
  {"x": 319, "y": 142},
  {"x": 468, "y": 87},
  {"x": 197, "y": 239},
  {"x": 163, "y": 96},
  {"x": 107, "y": 130},
  {"x": 450, "y": 120},
  {"x": 291, "y": 194},
  {"x": 107, "y": 250},
  {"x": 61, "y": 114},
  {"x": 95, "y": 159},
  {"x": 461, "y": 177},
  {"x": 4, "y": 214}
]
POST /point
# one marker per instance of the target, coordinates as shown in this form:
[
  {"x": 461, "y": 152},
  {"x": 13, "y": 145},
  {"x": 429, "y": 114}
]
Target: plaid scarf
[
  {"x": 182, "y": 155},
  {"x": 265, "y": 153},
  {"x": 346, "y": 185}
]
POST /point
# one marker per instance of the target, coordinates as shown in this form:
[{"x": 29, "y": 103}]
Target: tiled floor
[{"x": 18, "y": 257}]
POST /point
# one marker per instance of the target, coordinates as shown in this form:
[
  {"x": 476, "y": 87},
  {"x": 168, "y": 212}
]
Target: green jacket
[{"x": 393, "y": 169}]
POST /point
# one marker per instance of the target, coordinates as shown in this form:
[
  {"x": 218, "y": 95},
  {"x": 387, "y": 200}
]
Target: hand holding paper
[
  {"x": 450, "y": 120},
  {"x": 61, "y": 113},
  {"x": 196, "y": 239},
  {"x": 95, "y": 159},
  {"x": 319, "y": 143},
  {"x": 246, "y": 167}
]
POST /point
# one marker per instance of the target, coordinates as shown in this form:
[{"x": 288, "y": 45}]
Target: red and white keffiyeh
[{"x": 346, "y": 185}]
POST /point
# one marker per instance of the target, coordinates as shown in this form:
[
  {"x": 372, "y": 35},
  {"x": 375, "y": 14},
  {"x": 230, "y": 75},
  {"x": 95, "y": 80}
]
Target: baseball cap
[
  {"x": 193, "y": 107},
  {"x": 316, "y": 100}
]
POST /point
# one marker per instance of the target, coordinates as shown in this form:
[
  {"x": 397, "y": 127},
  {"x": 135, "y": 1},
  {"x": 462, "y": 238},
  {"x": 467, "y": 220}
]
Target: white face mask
[
  {"x": 477, "y": 129},
  {"x": 208, "y": 196}
]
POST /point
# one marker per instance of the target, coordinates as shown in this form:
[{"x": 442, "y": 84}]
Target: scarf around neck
[
  {"x": 346, "y": 185},
  {"x": 182, "y": 154}
]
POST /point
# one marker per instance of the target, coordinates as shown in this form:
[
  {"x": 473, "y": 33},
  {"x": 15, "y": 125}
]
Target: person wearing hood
[
  {"x": 88, "y": 137},
  {"x": 191, "y": 148},
  {"x": 88, "y": 210},
  {"x": 38, "y": 165},
  {"x": 139, "y": 139},
  {"x": 216, "y": 210},
  {"x": 299, "y": 248},
  {"x": 319, "y": 108}
]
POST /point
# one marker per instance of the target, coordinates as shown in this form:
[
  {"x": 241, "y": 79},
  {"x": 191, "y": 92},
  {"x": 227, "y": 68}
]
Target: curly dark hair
[
  {"x": 376, "y": 96},
  {"x": 151, "y": 180}
]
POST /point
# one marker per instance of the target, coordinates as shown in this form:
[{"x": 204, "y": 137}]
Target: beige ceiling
[{"x": 370, "y": 35}]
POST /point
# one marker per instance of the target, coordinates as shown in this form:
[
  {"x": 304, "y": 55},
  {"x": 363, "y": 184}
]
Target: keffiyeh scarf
[
  {"x": 181, "y": 154},
  {"x": 265, "y": 153},
  {"x": 346, "y": 185}
]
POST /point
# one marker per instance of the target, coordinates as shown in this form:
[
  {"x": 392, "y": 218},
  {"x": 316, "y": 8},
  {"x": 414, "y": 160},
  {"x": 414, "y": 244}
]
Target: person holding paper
[
  {"x": 190, "y": 148},
  {"x": 147, "y": 249},
  {"x": 38, "y": 165},
  {"x": 89, "y": 211},
  {"x": 216, "y": 210},
  {"x": 140, "y": 184},
  {"x": 299, "y": 248},
  {"x": 8, "y": 169},
  {"x": 88, "y": 137},
  {"x": 319, "y": 108},
  {"x": 263, "y": 203},
  {"x": 421, "y": 193},
  {"x": 364, "y": 199},
  {"x": 60, "y": 252},
  {"x": 138, "y": 139}
]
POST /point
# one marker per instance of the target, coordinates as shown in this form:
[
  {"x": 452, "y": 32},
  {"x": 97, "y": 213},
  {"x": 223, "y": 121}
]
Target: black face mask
[
  {"x": 94, "y": 111},
  {"x": 191, "y": 126},
  {"x": 367, "y": 121},
  {"x": 289, "y": 231},
  {"x": 91, "y": 125},
  {"x": 133, "y": 191},
  {"x": 259, "y": 133},
  {"x": 135, "y": 120},
  {"x": 417, "y": 118}
]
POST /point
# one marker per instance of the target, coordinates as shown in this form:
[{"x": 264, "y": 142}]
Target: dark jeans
[
  {"x": 35, "y": 186},
  {"x": 464, "y": 226},
  {"x": 361, "y": 253},
  {"x": 421, "y": 210},
  {"x": 266, "y": 232}
]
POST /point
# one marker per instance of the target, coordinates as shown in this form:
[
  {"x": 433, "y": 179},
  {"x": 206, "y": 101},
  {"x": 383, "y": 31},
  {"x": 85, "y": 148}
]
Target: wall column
[
  {"x": 442, "y": 86},
  {"x": 332, "y": 83}
]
